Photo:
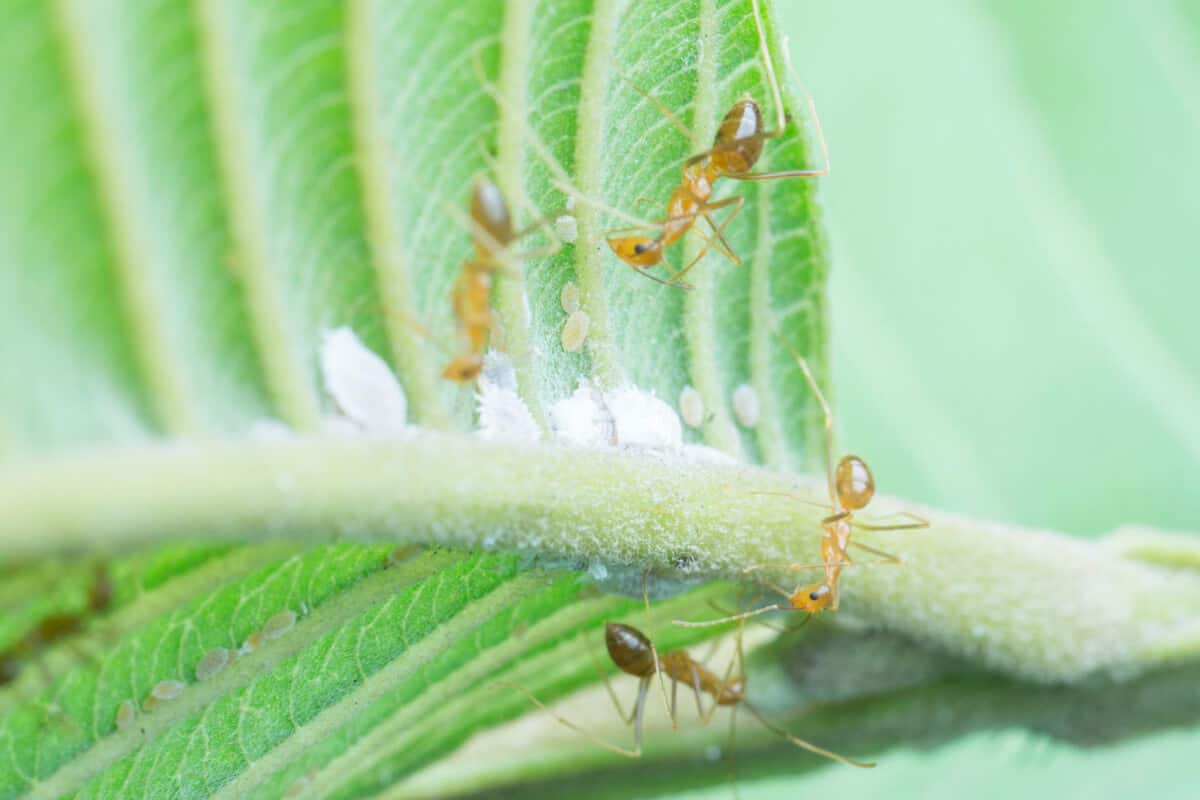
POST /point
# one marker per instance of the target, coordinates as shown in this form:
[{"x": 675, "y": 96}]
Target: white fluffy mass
[
  {"x": 503, "y": 415},
  {"x": 625, "y": 417},
  {"x": 583, "y": 420},
  {"x": 362, "y": 384}
]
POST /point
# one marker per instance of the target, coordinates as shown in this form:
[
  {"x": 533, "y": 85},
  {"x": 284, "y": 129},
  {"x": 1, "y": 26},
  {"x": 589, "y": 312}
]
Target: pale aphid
[
  {"x": 746, "y": 406},
  {"x": 691, "y": 407},
  {"x": 212, "y": 663},
  {"x": 575, "y": 331}
]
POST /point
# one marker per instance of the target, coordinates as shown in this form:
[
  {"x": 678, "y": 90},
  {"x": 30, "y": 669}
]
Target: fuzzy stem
[{"x": 1032, "y": 604}]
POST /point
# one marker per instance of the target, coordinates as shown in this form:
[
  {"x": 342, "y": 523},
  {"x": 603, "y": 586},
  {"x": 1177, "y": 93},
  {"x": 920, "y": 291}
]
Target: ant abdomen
[
  {"x": 854, "y": 482},
  {"x": 490, "y": 212},
  {"x": 739, "y": 140},
  {"x": 630, "y": 650}
]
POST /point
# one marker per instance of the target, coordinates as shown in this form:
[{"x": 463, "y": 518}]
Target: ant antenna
[{"x": 825, "y": 409}]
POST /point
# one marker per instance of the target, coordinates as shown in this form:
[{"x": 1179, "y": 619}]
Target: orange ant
[
  {"x": 633, "y": 653},
  {"x": 56, "y": 627},
  {"x": 490, "y": 225},
  {"x": 737, "y": 147},
  {"x": 851, "y": 487}
]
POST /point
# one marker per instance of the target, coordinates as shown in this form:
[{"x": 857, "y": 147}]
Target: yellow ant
[{"x": 851, "y": 487}]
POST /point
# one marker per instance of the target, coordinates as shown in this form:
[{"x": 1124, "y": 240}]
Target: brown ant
[
  {"x": 851, "y": 487},
  {"x": 56, "y": 627},
  {"x": 737, "y": 147},
  {"x": 633, "y": 653}
]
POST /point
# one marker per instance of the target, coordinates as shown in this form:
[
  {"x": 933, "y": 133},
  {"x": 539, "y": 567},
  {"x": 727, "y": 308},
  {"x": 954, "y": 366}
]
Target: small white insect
[
  {"x": 691, "y": 407},
  {"x": 566, "y": 228},
  {"x": 503, "y": 415},
  {"x": 582, "y": 420},
  {"x": 212, "y": 663},
  {"x": 362, "y": 384},
  {"x": 279, "y": 624},
  {"x": 642, "y": 420},
  {"x": 745, "y": 405},
  {"x": 575, "y": 331}
]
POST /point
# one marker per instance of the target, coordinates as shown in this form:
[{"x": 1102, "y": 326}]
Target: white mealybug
[
  {"x": 745, "y": 405},
  {"x": 503, "y": 415},
  {"x": 582, "y": 420},
  {"x": 642, "y": 420},
  {"x": 691, "y": 407},
  {"x": 575, "y": 331},
  {"x": 362, "y": 384}
]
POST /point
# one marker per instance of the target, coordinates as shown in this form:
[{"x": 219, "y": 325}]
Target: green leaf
[{"x": 191, "y": 198}]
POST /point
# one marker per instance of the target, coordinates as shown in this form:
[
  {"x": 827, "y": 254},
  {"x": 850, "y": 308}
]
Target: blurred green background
[{"x": 1013, "y": 207}]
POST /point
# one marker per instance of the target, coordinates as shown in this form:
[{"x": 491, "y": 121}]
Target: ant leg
[
  {"x": 825, "y": 410},
  {"x": 801, "y": 743},
  {"x": 884, "y": 558},
  {"x": 729, "y": 750},
  {"x": 798, "y": 499},
  {"x": 683, "y": 623},
  {"x": 566, "y": 723},
  {"x": 781, "y": 117},
  {"x": 918, "y": 523},
  {"x": 662, "y": 108},
  {"x": 773, "y": 176},
  {"x": 722, "y": 245},
  {"x": 708, "y": 245},
  {"x": 608, "y": 687},
  {"x": 662, "y": 682},
  {"x": 700, "y": 712},
  {"x": 721, "y": 610}
]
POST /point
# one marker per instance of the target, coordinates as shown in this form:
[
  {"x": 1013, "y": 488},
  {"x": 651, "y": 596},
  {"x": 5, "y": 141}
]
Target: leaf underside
[{"x": 191, "y": 195}]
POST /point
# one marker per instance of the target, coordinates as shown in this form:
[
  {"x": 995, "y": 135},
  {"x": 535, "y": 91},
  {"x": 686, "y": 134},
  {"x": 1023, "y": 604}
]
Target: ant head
[
  {"x": 629, "y": 649},
  {"x": 854, "y": 483},
  {"x": 732, "y": 692},
  {"x": 637, "y": 251},
  {"x": 464, "y": 369},
  {"x": 490, "y": 212},
  {"x": 813, "y": 598},
  {"x": 739, "y": 139}
]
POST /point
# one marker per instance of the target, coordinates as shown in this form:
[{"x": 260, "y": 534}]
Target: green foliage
[{"x": 189, "y": 198}]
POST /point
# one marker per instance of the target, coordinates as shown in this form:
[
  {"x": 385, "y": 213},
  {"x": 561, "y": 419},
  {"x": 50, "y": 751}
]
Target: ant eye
[
  {"x": 640, "y": 248},
  {"x": 815, "y": 596}
]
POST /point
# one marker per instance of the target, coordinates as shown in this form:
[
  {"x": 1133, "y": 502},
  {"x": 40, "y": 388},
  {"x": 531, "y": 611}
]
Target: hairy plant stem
[{"x": 1031, "y": 604}]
